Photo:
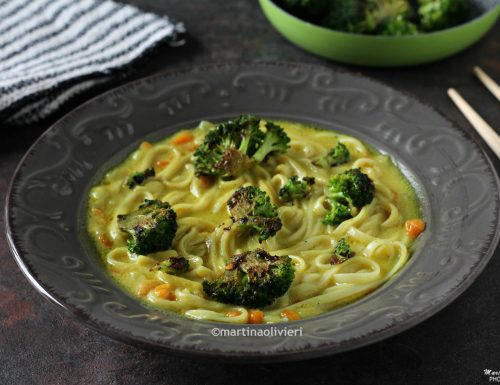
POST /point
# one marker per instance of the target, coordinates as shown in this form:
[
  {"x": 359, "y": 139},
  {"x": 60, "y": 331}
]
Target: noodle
[{"x": 207, "y": 239}]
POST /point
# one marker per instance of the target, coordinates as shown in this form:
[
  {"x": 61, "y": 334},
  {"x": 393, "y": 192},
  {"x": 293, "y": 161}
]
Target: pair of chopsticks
[{"x": 484, "y": 129}]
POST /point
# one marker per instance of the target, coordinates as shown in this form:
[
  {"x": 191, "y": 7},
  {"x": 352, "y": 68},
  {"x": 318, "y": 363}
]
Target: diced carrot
[
  {"x": 229, "y": 266},
  {"x": 98, "y": 212},
  {"x": 290, "y": 315},
  {"x": 100, "y": 215},
  {"x": 205, "y": 181},
  {"x": 255, "y": 317},
  {"x": 146, "y": 286},
  {"x": 103, "y": 238},
  {"x": 165, "y": 291},
  {"x": 233, "y": 313},
  {"x": 145, "y": 146},
  {"x": 161, "y": 164},
  {"x": 414, "y": 227},
  {"x": 192, "y": 147},
  {"x": 182, "y": 138}
]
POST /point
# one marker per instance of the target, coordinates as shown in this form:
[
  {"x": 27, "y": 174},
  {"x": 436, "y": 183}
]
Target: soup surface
[{"x": 378, "y": 233}]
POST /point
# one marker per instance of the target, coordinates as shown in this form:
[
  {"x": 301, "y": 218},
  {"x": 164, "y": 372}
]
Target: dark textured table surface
[{"x": 41, "y": 345}]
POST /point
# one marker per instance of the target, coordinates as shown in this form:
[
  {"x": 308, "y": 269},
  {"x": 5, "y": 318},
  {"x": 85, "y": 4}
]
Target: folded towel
[{"x": 52, "y": 50}]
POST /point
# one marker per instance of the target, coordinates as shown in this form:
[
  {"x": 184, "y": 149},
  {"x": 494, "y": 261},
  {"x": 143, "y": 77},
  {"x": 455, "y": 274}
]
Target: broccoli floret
[
  {"x": 440, "y": 14},
  {"x": 346, "y": 191},
  {"x": 344, "y": 15},
  {"x": 353, "y": 187},
  {"x": 227, "y": 148},
  {"x": 152, "y": 227},
  {"x": 388, "y": 17},
  {"x": 296, "y": 188},
  {"x": 336, "y": 156},
  {"x": 138, "y": 178},
  {"x": 342, "y": 252},
  {"x": 173, "y": 265},
  {"x": 275, "y": 141},
  {"x": 253, "y": 279},
  {"x": 383, "y": 17},
  {"x": 399, "y": 26},
  {"x": 231, "y": 147},
  {"x": 309, "y": 10},
  {"x": 251, "y": 207},
  {"x": 338, "y": 213}
]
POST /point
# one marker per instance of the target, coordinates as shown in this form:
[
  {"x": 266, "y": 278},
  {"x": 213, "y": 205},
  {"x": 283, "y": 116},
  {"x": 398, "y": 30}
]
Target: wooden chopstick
[
  {"x": 488, "y": 82},
  {"x": 487, "y": 133}
]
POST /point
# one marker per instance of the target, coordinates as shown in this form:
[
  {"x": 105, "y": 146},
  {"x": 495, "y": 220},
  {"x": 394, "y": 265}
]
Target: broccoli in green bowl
[{"x": 381, "y": 17}]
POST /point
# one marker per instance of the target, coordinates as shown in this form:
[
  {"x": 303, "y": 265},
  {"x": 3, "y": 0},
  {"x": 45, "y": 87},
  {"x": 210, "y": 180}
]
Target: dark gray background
[{"x": 40, "y": 345}]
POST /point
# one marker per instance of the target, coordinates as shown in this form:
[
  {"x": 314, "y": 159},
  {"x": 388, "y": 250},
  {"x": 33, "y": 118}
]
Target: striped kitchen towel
[{"x": 52, "y": 50}]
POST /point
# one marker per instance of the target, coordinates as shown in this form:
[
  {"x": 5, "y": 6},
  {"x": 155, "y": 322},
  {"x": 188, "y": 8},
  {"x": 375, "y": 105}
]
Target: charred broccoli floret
[
  {"x": 138, "y": 178},
  {"x": 253, "y": 279},
  {"x": 342, "y": 252},
  {"x": 231, "y": 147},
  {"x": 251, "y": 207},
  {"x": 227, "y": 148},
  {"x": 336, "y": 156},
  {"x": 346, "y": 191},
  {"x": 439, "y": 14},
  {"x": 296, "y": 188},
  {"x": 152, "y": 227},
  {"x": 173, "y": 265}
]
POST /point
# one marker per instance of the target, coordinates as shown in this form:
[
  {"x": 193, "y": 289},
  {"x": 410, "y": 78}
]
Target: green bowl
[{"x": 382, "y": 51}]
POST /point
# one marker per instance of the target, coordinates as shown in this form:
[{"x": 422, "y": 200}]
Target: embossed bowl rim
[{"x": 302, "y": 353}]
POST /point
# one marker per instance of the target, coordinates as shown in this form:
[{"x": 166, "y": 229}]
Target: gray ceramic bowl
[{"x": 457, "y": 185}]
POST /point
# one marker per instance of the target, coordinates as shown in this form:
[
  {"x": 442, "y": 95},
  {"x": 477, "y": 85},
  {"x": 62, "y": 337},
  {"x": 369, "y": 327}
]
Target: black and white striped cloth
[{"x": 51, "y": 50}]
